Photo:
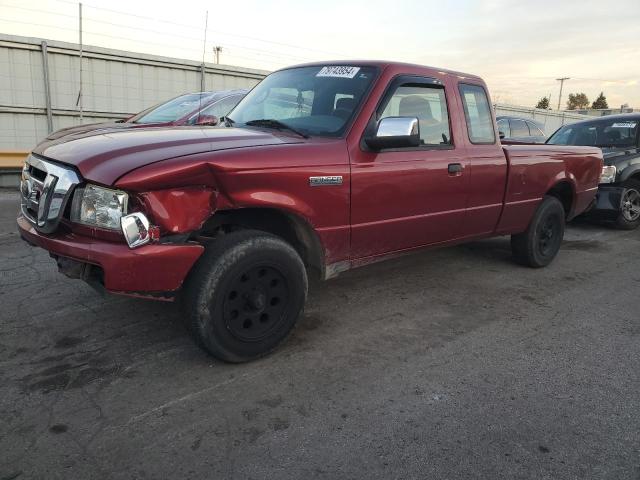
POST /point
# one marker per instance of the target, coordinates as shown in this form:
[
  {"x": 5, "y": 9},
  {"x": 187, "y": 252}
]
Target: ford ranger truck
[{"x": 319, "y": 169}]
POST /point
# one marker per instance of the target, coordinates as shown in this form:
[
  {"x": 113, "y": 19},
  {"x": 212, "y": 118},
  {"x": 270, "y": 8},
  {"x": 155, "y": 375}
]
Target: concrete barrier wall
[{"x": 39, "y": 85}]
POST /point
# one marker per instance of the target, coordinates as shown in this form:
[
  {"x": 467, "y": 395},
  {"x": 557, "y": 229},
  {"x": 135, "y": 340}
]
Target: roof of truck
[{"x": 384, "y": 64}]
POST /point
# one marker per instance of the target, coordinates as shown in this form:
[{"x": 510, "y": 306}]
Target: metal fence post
[
  {"x": 202, "y": 74},
  {"x": 47, "y": 87}
]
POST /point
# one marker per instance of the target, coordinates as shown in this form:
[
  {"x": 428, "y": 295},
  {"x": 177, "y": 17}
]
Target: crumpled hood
[{"x": 103, "y": 157}]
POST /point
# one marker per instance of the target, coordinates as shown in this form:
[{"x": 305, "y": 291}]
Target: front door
[{"x": 406, "y": 198}]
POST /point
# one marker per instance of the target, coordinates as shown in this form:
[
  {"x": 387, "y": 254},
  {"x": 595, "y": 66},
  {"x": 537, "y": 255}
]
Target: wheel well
[
  {"x": 563, "y": 191},
  {"x": 291, "y": 228}
]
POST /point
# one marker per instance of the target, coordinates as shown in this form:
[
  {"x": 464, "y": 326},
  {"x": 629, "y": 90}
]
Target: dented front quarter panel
[
  {"x": 272, "y": 176},
  {"x": 179, "y": 210}
]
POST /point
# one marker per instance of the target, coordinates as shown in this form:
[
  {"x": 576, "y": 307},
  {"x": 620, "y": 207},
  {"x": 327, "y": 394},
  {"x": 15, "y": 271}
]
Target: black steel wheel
[
  {"x": 255, "y": 303},
  {"x": 548, "y": 235},
  {"x": 629, "y": 216},
  {"x": 539, "y": 244},
  {"x": 244, "y": 295}
]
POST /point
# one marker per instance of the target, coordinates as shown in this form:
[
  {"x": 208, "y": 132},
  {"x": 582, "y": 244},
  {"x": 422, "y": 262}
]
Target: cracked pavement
[{"x": 450, "y": 363}]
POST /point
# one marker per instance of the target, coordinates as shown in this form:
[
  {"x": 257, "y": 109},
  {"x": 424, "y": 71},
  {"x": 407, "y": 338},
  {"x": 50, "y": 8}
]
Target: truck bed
[{"x": 533, "y": 169}]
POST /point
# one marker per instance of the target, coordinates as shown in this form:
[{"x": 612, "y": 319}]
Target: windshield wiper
[{"x": 277, "y": 124}]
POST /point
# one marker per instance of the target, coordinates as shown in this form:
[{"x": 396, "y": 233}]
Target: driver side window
[{"x": 428, "y": 105}]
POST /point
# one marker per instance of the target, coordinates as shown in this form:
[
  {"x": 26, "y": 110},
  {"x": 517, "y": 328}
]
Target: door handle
[{"x": 455, "y": 169}]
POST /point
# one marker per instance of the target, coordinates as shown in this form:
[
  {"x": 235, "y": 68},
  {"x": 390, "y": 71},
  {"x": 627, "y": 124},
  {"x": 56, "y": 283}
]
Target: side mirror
[
  {"x": 207, "y": 120},
  {"x": 395, "y": 132},
  {"x": 501, "y": 135}
]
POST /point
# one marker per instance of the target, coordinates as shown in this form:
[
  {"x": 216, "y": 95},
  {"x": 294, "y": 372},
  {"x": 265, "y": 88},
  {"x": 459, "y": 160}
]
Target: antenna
[
  {"x": 202, "y": 71},
  {"x": 80, "y": 99}
]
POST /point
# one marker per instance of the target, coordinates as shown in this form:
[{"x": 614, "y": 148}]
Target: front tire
[
  {"x": 629, "y": 216},
  {"x": 244, "y": 295},
  {"x": 540, "y": 243}
]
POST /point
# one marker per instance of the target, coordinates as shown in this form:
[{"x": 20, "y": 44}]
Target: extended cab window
[
  {"x": 477, "y": 113},
  {"x": 428, "y": 104}
]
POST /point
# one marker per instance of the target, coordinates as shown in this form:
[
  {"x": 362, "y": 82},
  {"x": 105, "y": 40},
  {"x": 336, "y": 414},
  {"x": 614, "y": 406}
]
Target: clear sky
[{"x": 519, "y": 47}]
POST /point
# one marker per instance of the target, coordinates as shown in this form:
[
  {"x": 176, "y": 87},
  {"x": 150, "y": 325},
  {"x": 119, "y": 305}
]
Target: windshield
[
  {"x": 173, "y": 109},
  {"x": 601, "y": 133},
  {"x": 317, "y": 100}
]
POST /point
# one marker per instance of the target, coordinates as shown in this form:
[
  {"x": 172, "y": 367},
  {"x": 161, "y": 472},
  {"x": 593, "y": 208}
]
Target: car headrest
[
  {"x": 415, "y": 106},
  {"x": 345, "y": 104}
]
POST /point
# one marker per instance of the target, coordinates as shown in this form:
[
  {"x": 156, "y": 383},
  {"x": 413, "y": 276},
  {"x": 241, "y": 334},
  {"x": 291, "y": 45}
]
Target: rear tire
[
  {"x": 540, "y": 243},
  {"x": 629, "y": 216},
  {"x": 244, "y": 295}
]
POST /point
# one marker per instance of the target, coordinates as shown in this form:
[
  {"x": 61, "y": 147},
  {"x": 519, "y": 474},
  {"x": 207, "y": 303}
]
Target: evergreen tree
[
  {"x": 543, "y": 103},
  {"x": 600, "y": 102}
]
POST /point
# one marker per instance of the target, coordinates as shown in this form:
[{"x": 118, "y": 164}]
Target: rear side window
[
  {"x": 477, "y": 113},
  {"x": 534, "y": 129},
  {"x": 519, "y": 128}
]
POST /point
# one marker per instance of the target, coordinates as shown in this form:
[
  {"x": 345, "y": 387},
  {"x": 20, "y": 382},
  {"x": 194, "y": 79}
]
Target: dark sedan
[
  {"x": 520, "y": 130},
  {"x": 619, "y": 138},
  {"x": 200, "y": 108}
]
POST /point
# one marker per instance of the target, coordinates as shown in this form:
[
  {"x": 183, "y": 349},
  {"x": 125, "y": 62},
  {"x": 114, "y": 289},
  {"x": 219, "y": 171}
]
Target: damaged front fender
[{"x": 179, "y": 210}]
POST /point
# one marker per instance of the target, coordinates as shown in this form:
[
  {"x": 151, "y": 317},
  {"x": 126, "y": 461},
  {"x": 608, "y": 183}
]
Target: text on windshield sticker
[
  {"x": 338, "y": 71},
  {"x": 624, "y": 125}
]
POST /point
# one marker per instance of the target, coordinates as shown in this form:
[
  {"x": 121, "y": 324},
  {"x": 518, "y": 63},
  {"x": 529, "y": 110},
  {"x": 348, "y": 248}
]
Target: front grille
[{"x": 45, "y": 190}]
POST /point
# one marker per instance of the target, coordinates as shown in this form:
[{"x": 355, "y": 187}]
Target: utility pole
[
  {"x": 216, "y": 51},
  {"x": 561, "y": 80}
]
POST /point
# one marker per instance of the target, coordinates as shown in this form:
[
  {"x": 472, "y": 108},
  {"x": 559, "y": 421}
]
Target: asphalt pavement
[{"x": 447, "y": 364}]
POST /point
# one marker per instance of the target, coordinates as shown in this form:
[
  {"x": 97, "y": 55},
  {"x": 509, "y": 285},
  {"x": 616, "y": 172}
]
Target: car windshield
[
  {"x": 317, "y": 101},
  {"x": 173, "y": 109},
  {"x": 601, "y": 133}
]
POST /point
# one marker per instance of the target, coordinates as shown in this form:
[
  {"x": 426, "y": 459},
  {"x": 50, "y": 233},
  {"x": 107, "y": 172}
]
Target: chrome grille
[{"x": 45, "y": 190}]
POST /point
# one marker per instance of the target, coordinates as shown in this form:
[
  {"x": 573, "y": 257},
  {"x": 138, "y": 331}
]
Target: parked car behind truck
[
  {"x": 324, "y": 167},
  {"x": 520, "y": 130},
  {"x": 618, "y": 136},
  {"x": 199, "y": 108}
]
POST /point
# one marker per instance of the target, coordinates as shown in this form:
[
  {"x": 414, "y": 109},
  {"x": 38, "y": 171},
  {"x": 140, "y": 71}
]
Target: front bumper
[
  {"x": 608, "y": 200},
  {"x": 151, "y": 270}
]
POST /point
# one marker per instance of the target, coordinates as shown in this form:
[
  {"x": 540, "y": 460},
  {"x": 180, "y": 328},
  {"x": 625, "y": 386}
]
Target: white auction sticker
[
  {"x": 624, "y": 125},
  {"x": 338, "y": 71}
]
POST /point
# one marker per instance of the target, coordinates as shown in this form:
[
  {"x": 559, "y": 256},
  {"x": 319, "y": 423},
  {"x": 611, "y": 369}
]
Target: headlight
[
  {"x": 608, "y": 174},
  {"x": 99, "y": 207}
]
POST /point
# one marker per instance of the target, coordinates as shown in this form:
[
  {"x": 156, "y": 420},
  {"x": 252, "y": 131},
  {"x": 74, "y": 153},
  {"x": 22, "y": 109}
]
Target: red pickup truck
[{"x": 320, "y": 168}]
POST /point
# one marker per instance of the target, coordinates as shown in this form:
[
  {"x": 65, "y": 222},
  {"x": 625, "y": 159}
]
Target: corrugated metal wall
[
  {"x": 118, "y": 83},
  {"x": 115, "y": 84},
  {"x": 552, "y": 120}
]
